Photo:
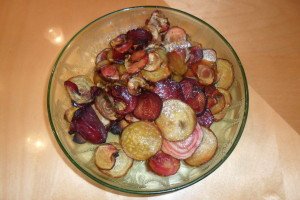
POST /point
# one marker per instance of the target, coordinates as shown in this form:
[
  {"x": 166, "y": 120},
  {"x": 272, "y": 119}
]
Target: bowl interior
[{"x": 78, "y": 57}]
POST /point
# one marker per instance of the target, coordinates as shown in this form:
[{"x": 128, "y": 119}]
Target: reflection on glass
[{"x": 55, "y": 35}]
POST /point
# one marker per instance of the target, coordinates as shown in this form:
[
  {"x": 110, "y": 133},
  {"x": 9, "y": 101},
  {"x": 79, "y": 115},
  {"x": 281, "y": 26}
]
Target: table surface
[{"x": 265, "y": 34}]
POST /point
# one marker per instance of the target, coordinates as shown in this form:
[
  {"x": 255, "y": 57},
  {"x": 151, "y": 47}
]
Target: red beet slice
[
  {"x": 137, "y": 55},
  {"x": 110, "y": 72},
  {"x": 148, "y": 107},
  {"x": 102, "y": 55},
  {"x": 137, "y": 66},
  {"x": 196, "y": 100},
  {"x": 121, "y": 94},
  {"x": 206, "y": 119},
  {"x": 196, "y": 55},
  {"x": 163, "y": 164},
  {"x": 211, "y": 92},
  {"x": 124, "y": 48},
  {"x": 168, "y": 89},
  {"x": 187, "y": 85},
  {"x": 118, "y": 57},
  {"x": 87, "y": 124},
  {"x": 139, "y": 36},
  {"x": 72, "y": 86}
]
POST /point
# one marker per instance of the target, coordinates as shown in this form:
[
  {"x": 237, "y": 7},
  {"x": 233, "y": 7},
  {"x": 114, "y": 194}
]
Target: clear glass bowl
[{"x": 78, "y": 57}]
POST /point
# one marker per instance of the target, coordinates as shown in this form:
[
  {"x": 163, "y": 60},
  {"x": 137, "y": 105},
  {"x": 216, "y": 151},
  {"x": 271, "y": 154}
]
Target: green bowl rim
[{"x": 155, "y": 191}]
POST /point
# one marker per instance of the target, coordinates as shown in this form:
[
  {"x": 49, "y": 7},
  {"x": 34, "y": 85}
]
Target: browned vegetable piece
[
  {"x": 154, "y": 61},
  {"x": 225, "y": 74},
  {"x": 160, "y": 74},
  {"x": 220, "y": 104},
  {"x": 219, "y": 116},
  {"x": 105, "y": 156},
  {"x": 105, "y": 105},
  {"x": 177, "y": 62},
  {"x": 135, "y": 84},
  {"x": 122, "y": 164},
  {"x": 206, "y": 149},
  {"x": 175, "y": 38},
  {"x": 204, "y": 73},
  {"x": 159, "y": 21},
  {"x": 79, "y": 89},
  {"x": 69, "y": 114}
]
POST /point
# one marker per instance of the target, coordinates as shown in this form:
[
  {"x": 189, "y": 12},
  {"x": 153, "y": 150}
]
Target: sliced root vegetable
[
  {"x": 79, "y": 89},
  {"x": 155, "y": 33},
  {"x": 196, "y": 100},
  {"x": 175, "y": 38},
  {"x": 187, "y": 85},
  {"x": 225, "y": 74},
  {"x": 227, "y": 96},
  {"x": 206, "y": 119},
  {"x": 118, "y": 57},
  {"x": 99, "y": 80},
  {"x": 117, "y": 41},
  {"x": 86, "y": 122},
  {"x": 196, "y": 55},
  {"x": 209, "y": 55},
  {"x": 148, "y": 107},
  {"x": 177, "y": 62},
  {"x": 163, "y": 164},
  {"x": 206, "y": 149},
  {"x": 105, "y": 105},
  {"x": 185, "y": 148},
  {"x": 159, "y": 21},
  {"x": 105, "y": 156},
  {"x": 139, "y": 36},
  {"x": 137, "y": 55},
  {"x": 220, "y": 104},
  {"x": 124, "y": 99},
  {"x": 102, "y": 55},
  {"x": 135, "y": 84},
  {"x": 168, "y": 89},
  {"x": 135, "y": 67},
  {"x": 154, "y": 62},
  {"x": 189, "y": 73},
  {"x": 175, "y": 34},
  {"x": 177, "y": 120},
  {"x": 122, "y": 164},
  {"x": 110, "y": 72},
  {"x": 160, "y": 74},
  {"x": 141, "y": 140},
  {"x": 205, "y": 74},
  {"x": 125, "y": 47}
]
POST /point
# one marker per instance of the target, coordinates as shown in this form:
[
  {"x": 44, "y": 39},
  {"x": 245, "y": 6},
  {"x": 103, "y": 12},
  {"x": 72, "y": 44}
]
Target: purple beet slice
[
  {"x": 168, "y": 89},
  {"x": 139, "y": 36},
  {"x": 86, "y": 123},
  {"x": 122, "y": 96},
  {"x": 206, "y": 119}
]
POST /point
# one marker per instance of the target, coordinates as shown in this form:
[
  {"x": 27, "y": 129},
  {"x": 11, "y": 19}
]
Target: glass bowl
[{"x": 78, "y": 57}]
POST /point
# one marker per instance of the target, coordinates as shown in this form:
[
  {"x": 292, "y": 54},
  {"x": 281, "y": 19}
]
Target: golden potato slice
[
  {"x": 122, "y": 164},
  {"x": 177, "y": 120},
  {"x": 141, "y": 140},
  {"x": 227, "y": 96},
  {"x": 206, "y": 149},
  {"x": 225, "y": 74}
]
